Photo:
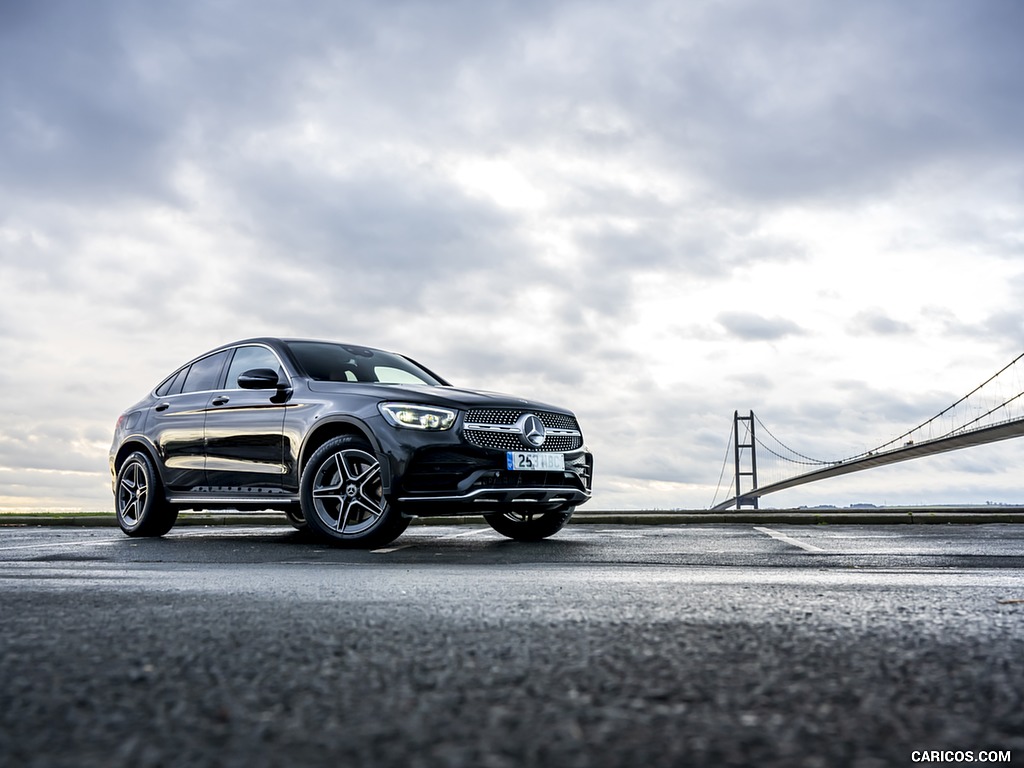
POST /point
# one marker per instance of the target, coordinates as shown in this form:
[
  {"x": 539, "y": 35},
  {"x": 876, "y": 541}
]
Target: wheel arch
[
  {"x": 331, "y": 428},
  {"x": 130, "y": 446}
]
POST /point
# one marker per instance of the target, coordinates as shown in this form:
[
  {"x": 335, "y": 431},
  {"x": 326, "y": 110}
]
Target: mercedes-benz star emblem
[{"x": 533, "y": 431}]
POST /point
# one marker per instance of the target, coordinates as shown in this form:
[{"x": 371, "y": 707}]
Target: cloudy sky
[{"x": 653, "y": 212}]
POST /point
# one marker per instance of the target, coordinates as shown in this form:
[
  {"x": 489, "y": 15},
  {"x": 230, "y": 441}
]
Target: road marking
[
  {"x": 474, "y": 532},
  {"x": 86, "y": 543},
  {"x": 789, "y": 539},
  {"x": 389, "y": 550}
]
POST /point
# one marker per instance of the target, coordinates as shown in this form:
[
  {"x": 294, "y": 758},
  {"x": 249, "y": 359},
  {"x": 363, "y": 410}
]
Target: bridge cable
[
  {"x": 963, "y": 427},
  {"x": 946, "y": 410},
  {"x": 725, "y": 463},
  {"x": 809, "y": 459},
  {"x": 810, "y": 462}
]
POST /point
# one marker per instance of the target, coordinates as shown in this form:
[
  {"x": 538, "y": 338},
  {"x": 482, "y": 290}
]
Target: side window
[
  {"x": 205, "y": 374},
  {"x": 172, "y": 384},
  {"x": 247, "y": 358}
]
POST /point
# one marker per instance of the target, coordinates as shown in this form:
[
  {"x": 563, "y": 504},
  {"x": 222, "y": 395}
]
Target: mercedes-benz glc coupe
[{"x": 349, "y": 442}]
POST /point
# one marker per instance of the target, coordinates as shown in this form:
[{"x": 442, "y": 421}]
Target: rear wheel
[
  {"x": 529, "y": 526},
  {"x": 343, "y": 497},
  {"x": 139, "y": 499}
]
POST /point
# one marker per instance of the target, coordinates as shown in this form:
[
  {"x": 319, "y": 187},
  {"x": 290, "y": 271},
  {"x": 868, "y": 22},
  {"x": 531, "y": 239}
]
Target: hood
[{"x": 452, "y": 397}]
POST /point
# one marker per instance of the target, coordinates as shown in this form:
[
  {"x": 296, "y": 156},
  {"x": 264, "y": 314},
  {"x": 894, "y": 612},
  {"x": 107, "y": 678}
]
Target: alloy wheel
[
  {"x": 132, "y": 493},
  {"x": 347, "y": 493}
]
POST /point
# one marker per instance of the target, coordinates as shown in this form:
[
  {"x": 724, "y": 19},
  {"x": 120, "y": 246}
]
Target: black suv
[{"x": 347, "y": 441}]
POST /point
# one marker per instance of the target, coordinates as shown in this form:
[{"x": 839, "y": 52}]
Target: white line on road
[
  {"x": 85, "y": 543},
  {"x": 474, "y": 532},
  {"x": 789, "y": 539},
  {"x": 389, "y": 550}
]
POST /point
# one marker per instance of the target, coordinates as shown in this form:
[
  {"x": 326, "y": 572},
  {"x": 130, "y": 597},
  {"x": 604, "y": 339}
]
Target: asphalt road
[{"x": 723, "y": 645}]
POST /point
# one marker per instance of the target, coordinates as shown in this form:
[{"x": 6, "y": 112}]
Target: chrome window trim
[{"x": 190, "y": 363}]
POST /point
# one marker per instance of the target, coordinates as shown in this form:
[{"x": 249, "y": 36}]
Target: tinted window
[
  {"x": 324, "y": 361},
  {"x": 205, "y": 374},
  {"x": 172, "y": 385},
  {"x": 247, "y": 358}
]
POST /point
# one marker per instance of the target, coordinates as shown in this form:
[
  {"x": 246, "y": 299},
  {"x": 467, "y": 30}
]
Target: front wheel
[
  {"x": 139, "y": 499},
  {"x": 343, "y": 498},
  {"x": 529, "y": 526},
  {"x": 295, "y": 518}
]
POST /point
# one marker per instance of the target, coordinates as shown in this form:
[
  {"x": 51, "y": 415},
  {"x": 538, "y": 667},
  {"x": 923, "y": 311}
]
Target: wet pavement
[{"x": 621, "y": 646}]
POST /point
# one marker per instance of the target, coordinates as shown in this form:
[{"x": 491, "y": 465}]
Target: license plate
[{"x": 535, "y": 462}]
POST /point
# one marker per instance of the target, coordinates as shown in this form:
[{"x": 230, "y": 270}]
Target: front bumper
[
  {"x": 454, "y": 480},
  {"x": 483, "y": 500}
]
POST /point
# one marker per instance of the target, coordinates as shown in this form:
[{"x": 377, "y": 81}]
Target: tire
[
  {"x": 295, "y": 518},
  {"x": 529, "y": 526},
  {"x": 342, "y": 496},
  {"x": 139, "y": 499}
]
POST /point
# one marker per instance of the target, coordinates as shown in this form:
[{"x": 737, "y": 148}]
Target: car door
[
  {"x": 244, "y": 429},
  {"x": 177, "y": 423}
]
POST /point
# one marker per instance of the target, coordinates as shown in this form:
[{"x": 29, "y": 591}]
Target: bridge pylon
[{"x": 745, "y": 448}]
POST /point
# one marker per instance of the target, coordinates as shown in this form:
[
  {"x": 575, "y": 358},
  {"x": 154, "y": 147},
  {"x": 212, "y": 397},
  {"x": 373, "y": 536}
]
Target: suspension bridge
[{"x": 992, "y": 411}]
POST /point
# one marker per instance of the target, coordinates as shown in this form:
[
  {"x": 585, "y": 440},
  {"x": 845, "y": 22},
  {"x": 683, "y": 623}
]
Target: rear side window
[
  {"x": 204, "y": 374},
  {"x": 171, "y": 385}
]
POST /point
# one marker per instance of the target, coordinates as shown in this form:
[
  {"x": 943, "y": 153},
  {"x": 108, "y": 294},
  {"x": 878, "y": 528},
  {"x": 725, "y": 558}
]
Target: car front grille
[
  {"x": 511, "y": 416},
  {"x": 496, "y": 428}
]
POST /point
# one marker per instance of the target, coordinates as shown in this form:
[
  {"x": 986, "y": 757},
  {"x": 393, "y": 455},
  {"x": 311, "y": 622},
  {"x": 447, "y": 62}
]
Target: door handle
[
  {"x": 162, "y": 407},
  {"x": 220, "y": 400}
]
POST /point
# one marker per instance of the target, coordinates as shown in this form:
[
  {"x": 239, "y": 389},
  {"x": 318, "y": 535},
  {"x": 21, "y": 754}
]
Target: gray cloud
[
  {"x": 811, "y": 100},
  {"x": 877, "y": 323},
  {"x": 804, "y": 98},
  {"x": 750, "y": 326}
]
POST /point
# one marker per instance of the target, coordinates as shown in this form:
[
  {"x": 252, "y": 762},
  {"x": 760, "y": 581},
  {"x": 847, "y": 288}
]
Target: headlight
[{"x": 414, "y": 416}]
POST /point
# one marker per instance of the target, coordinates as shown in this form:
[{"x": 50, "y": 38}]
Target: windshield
[{"x": 324, "y": 361}]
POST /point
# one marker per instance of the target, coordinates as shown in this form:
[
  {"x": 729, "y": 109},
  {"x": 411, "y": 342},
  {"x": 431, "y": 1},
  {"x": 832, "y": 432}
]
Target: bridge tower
[{"x": 744, "y": 446}]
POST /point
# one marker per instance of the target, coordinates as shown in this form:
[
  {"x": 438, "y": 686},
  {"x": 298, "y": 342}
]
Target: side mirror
[{"x": 259, "y": 378}]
